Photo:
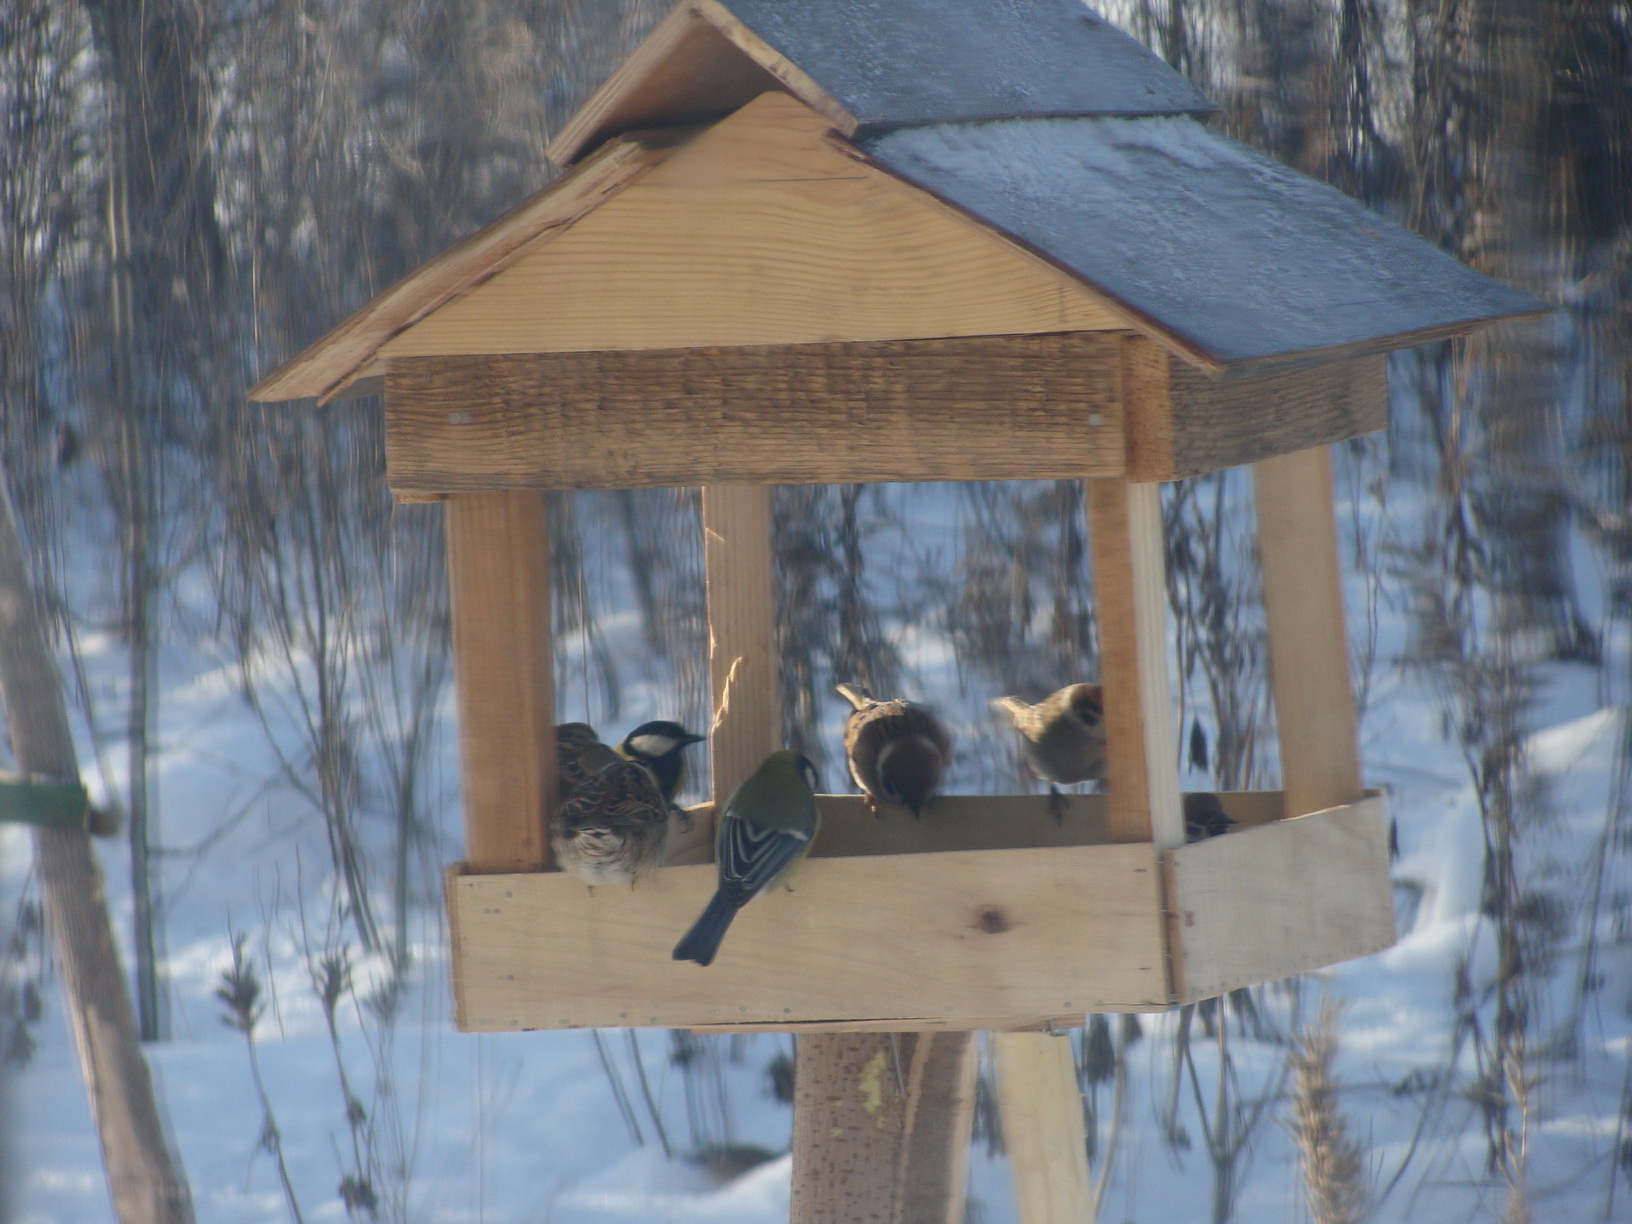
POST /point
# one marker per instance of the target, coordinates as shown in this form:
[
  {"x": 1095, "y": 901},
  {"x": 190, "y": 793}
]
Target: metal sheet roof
[
  {"x": 1236, "y": 257},
  {"x": 891, "y": 62}
]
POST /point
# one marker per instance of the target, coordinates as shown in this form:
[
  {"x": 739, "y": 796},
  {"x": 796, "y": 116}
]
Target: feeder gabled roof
[
  {"x": 1221, "y": 251},
  {"x": 868, "y": 65},
  {"x": 1217, "y": 252}
]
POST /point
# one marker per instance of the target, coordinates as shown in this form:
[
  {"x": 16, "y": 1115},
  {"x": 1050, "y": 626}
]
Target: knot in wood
[{"x": 992, "y": 919}]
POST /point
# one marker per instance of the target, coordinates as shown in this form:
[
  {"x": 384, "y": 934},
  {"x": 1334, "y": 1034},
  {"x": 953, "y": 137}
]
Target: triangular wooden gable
[
  {"x": 761, "y": 230},
  {"x": 868, "y": 66},
  {"x": 344, "y": 361}
]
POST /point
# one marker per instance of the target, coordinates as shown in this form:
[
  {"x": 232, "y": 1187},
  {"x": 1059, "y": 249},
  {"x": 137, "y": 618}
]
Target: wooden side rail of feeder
[{"x": 1013, "y": 922}]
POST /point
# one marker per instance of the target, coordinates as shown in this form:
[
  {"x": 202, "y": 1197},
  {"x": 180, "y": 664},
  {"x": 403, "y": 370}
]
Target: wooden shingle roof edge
[
  {"x": 345, "y": 355},
  {"x": 866, "y": 66}
]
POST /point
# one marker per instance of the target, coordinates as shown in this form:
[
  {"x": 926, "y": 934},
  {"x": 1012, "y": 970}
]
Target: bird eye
[{"x": 811, "y": 780}]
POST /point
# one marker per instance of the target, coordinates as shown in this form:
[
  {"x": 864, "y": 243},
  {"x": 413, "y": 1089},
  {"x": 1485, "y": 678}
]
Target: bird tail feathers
[
  {"x": 703, "y": 940},
  {"x": 856, "y": 695},
  {"x": 1012, "y": 706}
]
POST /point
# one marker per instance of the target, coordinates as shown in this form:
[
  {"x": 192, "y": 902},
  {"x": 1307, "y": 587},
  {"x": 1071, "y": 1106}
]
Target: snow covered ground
[{"x": 528, "y": 1127}]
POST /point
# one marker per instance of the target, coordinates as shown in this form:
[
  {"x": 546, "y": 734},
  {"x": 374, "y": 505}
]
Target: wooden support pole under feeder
[
  {"x": 881, "y": 1127},
  {"x": 1044, "y": 1131}
]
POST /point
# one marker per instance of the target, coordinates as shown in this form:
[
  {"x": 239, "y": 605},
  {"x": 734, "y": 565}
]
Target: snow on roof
[
  {"x": 1237, "y": 257},
  {"x": 891, "y": 62}
]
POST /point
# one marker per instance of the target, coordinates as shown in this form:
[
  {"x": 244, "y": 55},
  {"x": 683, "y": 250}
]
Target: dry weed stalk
[{"x": 1333, "y": 1160}]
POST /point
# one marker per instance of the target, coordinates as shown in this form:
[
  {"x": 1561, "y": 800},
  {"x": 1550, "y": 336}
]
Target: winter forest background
[{"x": 255, "y": 638}]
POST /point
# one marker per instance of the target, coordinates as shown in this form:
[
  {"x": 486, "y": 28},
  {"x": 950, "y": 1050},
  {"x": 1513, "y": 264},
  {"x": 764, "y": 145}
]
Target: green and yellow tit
[{"x": 765, "y": 830}]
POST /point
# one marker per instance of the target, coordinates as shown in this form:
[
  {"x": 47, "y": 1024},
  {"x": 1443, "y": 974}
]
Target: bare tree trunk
[
  {"x": 143, "y": 1179},
  {"x": 881, "y": 1127},
  {"x": 166, "y": 255}
]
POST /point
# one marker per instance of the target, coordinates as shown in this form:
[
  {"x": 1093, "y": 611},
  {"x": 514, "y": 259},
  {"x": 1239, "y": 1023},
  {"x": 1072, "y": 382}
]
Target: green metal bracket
[{"x": 36, "y": 801}]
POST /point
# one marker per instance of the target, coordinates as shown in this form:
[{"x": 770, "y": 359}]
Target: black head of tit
[{"x": 660, "y": 746}]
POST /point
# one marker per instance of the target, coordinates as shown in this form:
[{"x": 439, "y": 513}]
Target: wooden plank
[
  {"x": 760, "y": 231},
  {"x": 1043, "y": 1127},
  {"x": 1147, "y": 407},
  {"x": 984, "y": 408},
  {"x": 499, "y": 580},
  {"x": 1018, "y": 933},
  {"x": 1287, "y": 897},
  {"x": 800, "y": 85},
  {"x": 963, "y": 822},
  {"x": 1182, "y": 421},
  {"x": 906, "y": 1024},
  {"x": 740, "y": 574},
  {"x": 451, "y": 873},
  {"x": 1130, "y": 597},
  {"x": 953, "y": 822},
  {"x": 700, "y": 62},
  {"x": 347, "y": 352},
  {"x": 1308, "y": 639}
]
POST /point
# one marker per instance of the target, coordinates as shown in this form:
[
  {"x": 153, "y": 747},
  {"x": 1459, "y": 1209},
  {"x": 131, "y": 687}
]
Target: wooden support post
[
  {"x": 1043, "y": 1128},
  {"x": 144, "y": 1180},
  {"x": 881, "y": 1127},
  {"x": 1308, "y": 640},
  {"x": 940, "y": 1122},
  {"x": 499, "y": 577},
  {"x": 1130, "y": 597},
  {"x": 867, "y": 1144},
  {"x": 742, "y": 663}
]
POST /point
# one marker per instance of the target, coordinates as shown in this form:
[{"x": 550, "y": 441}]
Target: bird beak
[{"x": 692, "y": 739}]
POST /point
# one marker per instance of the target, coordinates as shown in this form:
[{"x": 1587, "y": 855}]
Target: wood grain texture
[
  {"x": 1286, "y": 897},
  {"x": 349, "y": 351},
  {"x": 801, "y": 86},
  {"x": 145, "y": 1180},
  {"x": 962, "y": 822},
  {"x": 1026, "y": 934},
  {"x": 1043, "y": 1129},
  {"x": 1147, "y": 407},
  {"x": 1183, "y": 421},
  {"x": 1308, "y": 639},
  {"x": 739, "y": 572},
  {"x": 906, "y": 1024},
  {"x": 759, "y": 231},
  {"x": 684, "y": 71},
  {"x": 499, "y": 583},
  {"x": 850, "y": 1112},
  {"x": 940, "y": 1081},
  {"x": 881, "y": 1127},
  {"x": 1130, "y": 596},
  {"x": 950, "y": 823},
  {"x": 982, "y": 408}
]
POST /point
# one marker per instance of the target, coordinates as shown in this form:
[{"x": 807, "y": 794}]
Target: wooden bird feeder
[{"x": 804, "y": 242}]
